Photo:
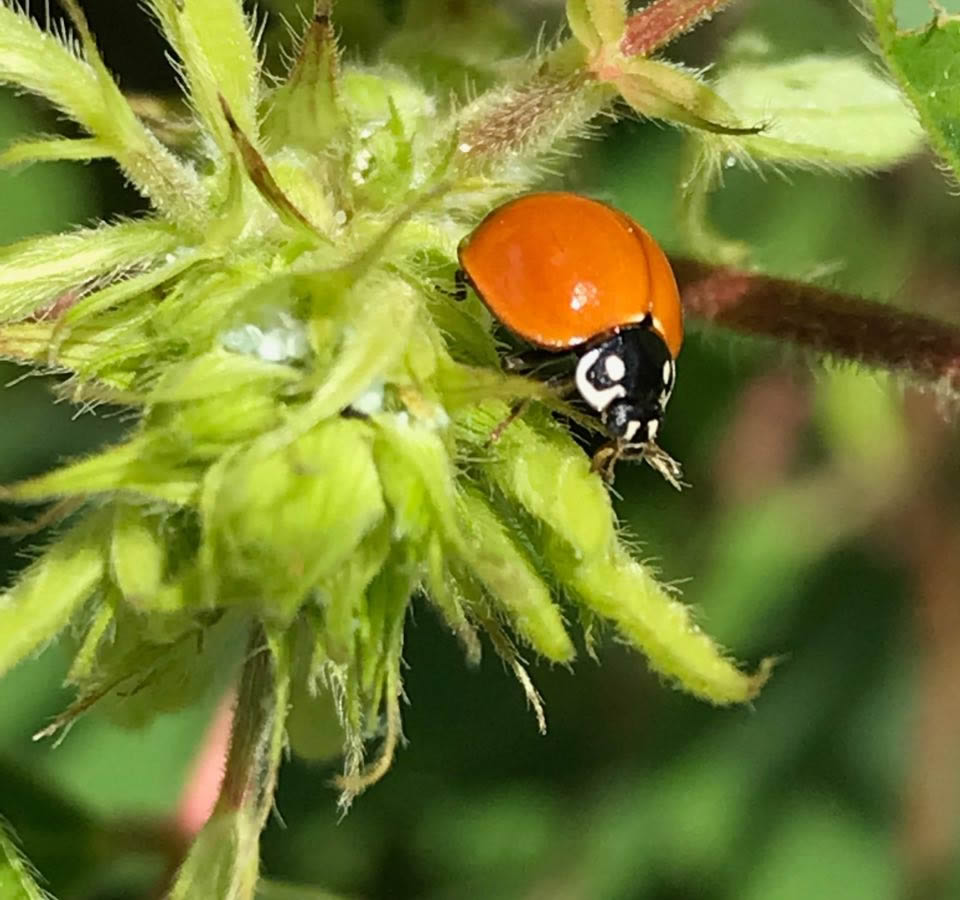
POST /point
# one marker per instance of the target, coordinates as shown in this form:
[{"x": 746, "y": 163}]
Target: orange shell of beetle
[{"x": 559, "y": 270}]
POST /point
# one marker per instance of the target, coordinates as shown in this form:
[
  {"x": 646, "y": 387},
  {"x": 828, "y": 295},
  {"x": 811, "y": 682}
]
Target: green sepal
[
  {"x": 511, "y": 580},
  {"x": 214, "y": 41},
  {"x": 381, "y": 626},
  {"x": 39, "y": 271},
  {"x": 653, "y": 620},
  {"x": 48, "y": 595},
  {"x": 314, "y": 727},
  {"x": 667, "y": 91},
  {"x": 53, "y": 149},
  {"x": 341, "y": 595},
  {"x": 582, "y": 26},
  {"x": 304, "y": 111},
  {"x": 137, "y": 554},
  {"x": 158, "y": 663},
  {"x": 126, "y": 467},
  {"x": 219, "y": 372}
]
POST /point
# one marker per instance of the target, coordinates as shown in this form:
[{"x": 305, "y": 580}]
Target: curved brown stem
[{"x": 824, "y": 321}]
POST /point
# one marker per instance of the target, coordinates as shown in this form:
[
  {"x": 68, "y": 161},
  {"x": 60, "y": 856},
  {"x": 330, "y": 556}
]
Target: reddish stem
[
  {"x": 663, "y": 21},
  {"x": 823, "y": 321}
]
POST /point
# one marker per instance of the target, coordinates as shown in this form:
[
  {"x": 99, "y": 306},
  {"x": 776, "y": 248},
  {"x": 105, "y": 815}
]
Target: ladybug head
[{"x": 628, "y": 378}]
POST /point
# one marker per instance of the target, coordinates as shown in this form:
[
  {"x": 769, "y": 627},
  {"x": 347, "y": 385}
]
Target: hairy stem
[
  {"x": 824, "y": 321},
  {"x": 663, "y": 21},
  {"x": 255, "y": 742}
]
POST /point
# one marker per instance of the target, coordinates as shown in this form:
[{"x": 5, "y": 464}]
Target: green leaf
[
  {"x": 50, "y": 592},
  {"x": 17, "y": 880},
  {"x": 924, "y": 63},
  {"x": 819, "y": 111}
]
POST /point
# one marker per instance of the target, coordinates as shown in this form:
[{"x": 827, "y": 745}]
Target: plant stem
[
  {"x": 824, "y": 321},
  {"x": 663, "y": 21},
  {"x": 250, "y": 771}
]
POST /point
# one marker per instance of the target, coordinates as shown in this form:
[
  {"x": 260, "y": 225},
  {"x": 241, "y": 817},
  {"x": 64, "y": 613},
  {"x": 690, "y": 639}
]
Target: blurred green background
[{"x": 823, "y": 524}]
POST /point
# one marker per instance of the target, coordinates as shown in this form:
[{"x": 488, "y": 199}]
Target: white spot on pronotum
[
  {"x": 615, "y": 367},
  {"x": 583, "y": 292},
  {"x": 598, "y": 399},
  {"x": 668, "y": 372},
  {"x": 653, "y": 426}
]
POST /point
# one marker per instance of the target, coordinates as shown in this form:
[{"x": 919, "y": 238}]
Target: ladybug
[{"x": 570, "y": 274}]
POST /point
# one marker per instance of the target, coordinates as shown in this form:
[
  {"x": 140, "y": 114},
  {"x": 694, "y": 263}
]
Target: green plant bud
[
  {"x": 304, "y": 111},
  {"x": 282, "y": 521}
]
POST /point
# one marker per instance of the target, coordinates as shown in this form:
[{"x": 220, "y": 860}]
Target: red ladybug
[{"x": 567, "y": 273}]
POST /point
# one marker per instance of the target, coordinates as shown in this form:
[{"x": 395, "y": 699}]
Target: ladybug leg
[
  {"x": 528, "y": 360},
  {"x": 659, "y": 460},
  {"x": 517, "y": 410},
  {"x": 460, "y": 285},
  {"x": 562, "y": 386},
  {"x": 605, "y": 459}
]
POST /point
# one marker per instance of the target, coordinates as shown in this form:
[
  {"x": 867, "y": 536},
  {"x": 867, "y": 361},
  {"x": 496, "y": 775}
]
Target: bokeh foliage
[{"x": 635, "y": 792}]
